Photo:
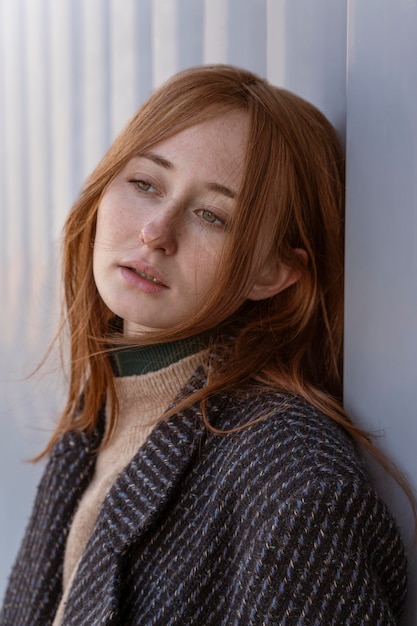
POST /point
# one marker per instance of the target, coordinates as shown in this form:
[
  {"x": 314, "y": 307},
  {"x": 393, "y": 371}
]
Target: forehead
[{"x": 219, "y": 143}]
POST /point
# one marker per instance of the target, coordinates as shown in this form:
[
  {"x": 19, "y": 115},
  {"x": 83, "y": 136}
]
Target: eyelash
[
  {"x": 138, "y": 182},
  {"x": 208, "y": 216}
]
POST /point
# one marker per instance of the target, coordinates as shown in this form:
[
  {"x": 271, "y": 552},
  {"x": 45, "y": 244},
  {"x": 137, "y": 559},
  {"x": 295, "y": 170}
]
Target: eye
[
  {"x": 142, "y": 185},
  {"x": 210, "y": 217}
]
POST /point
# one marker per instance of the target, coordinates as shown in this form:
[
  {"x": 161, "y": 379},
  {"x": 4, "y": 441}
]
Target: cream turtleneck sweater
[{"x": 142, "y": 401}]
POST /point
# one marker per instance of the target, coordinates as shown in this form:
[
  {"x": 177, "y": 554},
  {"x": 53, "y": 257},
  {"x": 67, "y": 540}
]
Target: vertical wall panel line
[
  {"x": 106, "y": 69},
  {"x": 61, "y": 75},
  {"x": 143, "y": 50},
  {"x": 77, "y": 87},
  {"x": 37, "y": 180},
  {"x": 123, "y": 63},
  {"x": 3, "y": 211},
  {"x": 164, "y": 40},
  {"x": 216, "y": 20},
  {"x": 245, "y": 33},
  {"x": 15, "y": 254},
  {"x": 190, "y": 40},
  {"x": 275, "y": 41},
  {"x": 96, "y": 96}
]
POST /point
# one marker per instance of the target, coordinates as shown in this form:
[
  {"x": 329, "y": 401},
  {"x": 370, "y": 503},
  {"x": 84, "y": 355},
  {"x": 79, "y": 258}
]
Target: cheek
[
  {"x": 112, "y": 226},
  {"x": 104, "y": 223},
  {"x": 206, "y": 267}
]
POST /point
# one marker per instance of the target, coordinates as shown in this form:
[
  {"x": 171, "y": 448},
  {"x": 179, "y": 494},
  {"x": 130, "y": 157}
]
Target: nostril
[{"x": 158, "y": 237}]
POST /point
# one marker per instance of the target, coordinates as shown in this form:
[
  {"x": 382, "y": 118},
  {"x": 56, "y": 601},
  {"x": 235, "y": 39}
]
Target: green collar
[{"x": 134, "y": 361}]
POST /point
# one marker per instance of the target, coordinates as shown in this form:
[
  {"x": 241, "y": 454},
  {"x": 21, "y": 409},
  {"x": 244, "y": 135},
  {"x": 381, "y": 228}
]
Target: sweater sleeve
[{"x": 330, "y": 554}]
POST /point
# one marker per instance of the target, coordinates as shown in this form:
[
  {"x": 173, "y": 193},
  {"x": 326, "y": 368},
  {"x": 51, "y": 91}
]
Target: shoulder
[
  {"x": 298, "y": 483},
  {"x": 284, "y": 433},
  {"x": 290, "y": 455}
]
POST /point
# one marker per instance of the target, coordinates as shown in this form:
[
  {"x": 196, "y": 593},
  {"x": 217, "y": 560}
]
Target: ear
[{"x": 275, "y": 277}]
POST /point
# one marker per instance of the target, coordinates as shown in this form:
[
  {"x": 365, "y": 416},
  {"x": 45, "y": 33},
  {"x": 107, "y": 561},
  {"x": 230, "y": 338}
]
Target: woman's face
[{"x": 163, "y": 221}]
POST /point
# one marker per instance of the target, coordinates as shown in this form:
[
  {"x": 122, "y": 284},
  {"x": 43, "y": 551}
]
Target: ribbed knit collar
[{"x": 135, "y": 361}]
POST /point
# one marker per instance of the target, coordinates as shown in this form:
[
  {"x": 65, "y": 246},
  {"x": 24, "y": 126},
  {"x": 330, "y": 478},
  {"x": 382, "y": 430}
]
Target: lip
[{"x": 151, "y": 282}]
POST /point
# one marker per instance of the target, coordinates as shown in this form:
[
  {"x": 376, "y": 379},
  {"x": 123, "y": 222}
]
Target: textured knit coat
[{"x": 273, "y": 524}]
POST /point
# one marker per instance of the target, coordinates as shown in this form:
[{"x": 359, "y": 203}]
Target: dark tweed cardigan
[{"x": 275, "y": 524}]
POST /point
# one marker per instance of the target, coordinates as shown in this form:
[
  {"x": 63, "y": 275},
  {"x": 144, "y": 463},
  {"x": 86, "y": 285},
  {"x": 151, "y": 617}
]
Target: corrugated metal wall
[{"x": 71, "y": 73}]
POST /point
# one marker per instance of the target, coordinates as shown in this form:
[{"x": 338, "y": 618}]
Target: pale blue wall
[
  {"x": 381, "y": 261},
  {"x": 73, "y": 71}
]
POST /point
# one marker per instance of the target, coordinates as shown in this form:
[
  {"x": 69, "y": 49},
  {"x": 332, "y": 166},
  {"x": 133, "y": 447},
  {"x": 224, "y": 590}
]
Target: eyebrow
[
  {"x": 216, "y": 187},
  {"x": 225, "y": 191},
  {"x": 157, "y": 159}
]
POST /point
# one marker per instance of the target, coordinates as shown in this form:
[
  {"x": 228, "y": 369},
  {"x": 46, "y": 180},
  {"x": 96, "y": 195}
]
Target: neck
[{"x": 135, "y": 361}]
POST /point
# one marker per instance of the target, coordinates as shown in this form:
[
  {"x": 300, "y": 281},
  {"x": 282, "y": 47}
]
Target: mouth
[{"x": 145, "y": 276}]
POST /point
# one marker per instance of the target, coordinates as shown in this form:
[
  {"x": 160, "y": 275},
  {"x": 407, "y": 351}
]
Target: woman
[{"x": 203, "y": 470}]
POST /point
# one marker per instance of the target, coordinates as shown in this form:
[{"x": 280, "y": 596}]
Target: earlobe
[{"x": 276, "y": 278}]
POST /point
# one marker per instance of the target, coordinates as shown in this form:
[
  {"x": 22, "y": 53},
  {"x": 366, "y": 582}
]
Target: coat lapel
[{"x": 136, "y": 501}]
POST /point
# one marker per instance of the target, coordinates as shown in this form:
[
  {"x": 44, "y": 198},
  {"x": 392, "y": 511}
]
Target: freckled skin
[{"x": 166, "y": 214}]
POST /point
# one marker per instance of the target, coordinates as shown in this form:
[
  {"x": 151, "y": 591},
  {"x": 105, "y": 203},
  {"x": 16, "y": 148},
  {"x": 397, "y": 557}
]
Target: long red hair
[{"x": 292, "y": 197}]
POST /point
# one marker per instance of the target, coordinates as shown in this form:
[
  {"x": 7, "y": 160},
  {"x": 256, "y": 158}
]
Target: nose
[{"x": 159, "y": 233}]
